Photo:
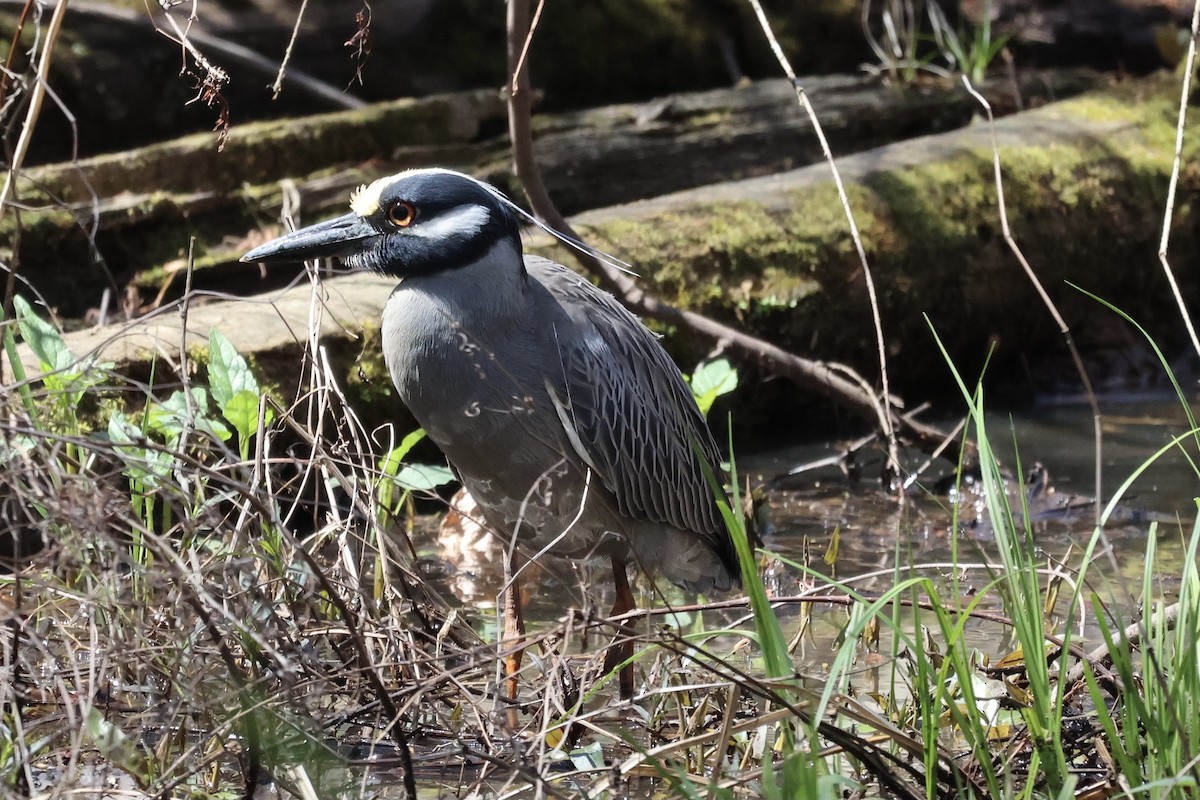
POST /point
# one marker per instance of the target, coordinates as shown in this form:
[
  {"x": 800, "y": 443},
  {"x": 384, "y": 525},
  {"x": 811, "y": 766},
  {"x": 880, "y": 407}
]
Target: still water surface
[{"x": 876, "y": 533}]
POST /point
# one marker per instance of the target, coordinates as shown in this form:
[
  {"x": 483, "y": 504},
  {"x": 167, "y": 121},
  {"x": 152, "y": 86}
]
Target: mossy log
[
  {"x": 1084, "y": 180},
  {"x": 131, "y": 218}
]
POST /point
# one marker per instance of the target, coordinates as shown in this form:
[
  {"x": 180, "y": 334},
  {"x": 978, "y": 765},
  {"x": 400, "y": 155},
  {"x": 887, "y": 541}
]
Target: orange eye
[{"x": 401, "y": 213}]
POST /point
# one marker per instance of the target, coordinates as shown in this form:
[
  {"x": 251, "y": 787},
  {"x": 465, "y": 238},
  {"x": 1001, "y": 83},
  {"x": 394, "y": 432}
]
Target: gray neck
[
  {"x": 428, "y": 318},
  {"x": 489, "y": 290}
]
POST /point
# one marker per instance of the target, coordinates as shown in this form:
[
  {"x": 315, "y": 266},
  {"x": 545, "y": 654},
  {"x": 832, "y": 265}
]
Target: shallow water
[{"x": 876, "y": 533}]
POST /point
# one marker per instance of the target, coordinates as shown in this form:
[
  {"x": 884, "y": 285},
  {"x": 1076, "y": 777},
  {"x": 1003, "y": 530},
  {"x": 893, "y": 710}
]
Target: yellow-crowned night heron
[{"x": 561, "y": 413}]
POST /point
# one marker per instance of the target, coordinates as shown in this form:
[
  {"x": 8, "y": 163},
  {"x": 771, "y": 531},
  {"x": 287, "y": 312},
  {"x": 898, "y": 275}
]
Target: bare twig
[
  {"x": 13, "y": 48},
  {"x": 230, "y": 51},
  {"x": 884, "y": 413},
  {"x": 210, "y": 84},
  {"x": 516, "y": 70},
  {"x": 36, "y": 97},
  {"x": 1043, "y": 294},
  {"x": 1132, "y": 636},
  {"x": 277, "y": 86},
  {"x": 360, "y": 42},
  {"x": 1169, "y": 211}
]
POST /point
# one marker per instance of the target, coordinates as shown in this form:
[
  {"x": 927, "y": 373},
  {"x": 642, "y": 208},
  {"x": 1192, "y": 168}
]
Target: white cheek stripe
[{"x": 466, "y": 221}]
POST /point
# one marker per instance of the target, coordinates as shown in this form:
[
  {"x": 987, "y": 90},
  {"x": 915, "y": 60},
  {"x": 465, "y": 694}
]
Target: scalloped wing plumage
[{"x": 629, "y": 415}]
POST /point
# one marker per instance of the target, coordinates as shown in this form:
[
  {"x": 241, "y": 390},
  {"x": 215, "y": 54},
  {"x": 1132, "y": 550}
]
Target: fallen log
[{"x": 129, "y": 218}]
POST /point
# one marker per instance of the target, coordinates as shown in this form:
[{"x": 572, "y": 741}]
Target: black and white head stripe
[
  {"x": 446, "y": 202},
  {"x": 369, "y": 199},
  {"x": 465, "y": 220}
]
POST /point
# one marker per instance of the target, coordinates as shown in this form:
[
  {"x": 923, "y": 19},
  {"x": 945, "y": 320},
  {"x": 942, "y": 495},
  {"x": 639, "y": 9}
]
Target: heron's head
[{"x": 415, "y": 223}]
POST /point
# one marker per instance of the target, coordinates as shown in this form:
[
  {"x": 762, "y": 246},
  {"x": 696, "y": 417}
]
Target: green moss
[
  {"x": 49, "y": 223},
  {"x": 786, "y": 267},
  {"x": 708, "y": 120},
  {"x": 367, "y": 378},
  {"x": 695, "y": 258}
]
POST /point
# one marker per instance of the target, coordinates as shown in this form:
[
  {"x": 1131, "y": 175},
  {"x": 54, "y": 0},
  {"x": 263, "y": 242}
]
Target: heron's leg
[
  {"x": 621, "y": 649},
  {"x": 514, "y": 635}
]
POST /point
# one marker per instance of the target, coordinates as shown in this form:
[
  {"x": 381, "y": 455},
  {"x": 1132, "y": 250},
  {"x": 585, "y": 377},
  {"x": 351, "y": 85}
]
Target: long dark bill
[{"x": 339, "y": 237}]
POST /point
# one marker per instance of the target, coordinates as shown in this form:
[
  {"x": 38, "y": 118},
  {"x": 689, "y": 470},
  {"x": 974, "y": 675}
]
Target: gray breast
[
  {"x": 470, "y": 354},
  {"x": 545, "y": 394}
]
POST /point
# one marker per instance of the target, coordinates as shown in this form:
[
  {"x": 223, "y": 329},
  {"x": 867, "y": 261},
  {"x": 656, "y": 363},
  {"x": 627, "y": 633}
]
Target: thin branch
[
  {"x": 518, "y": 69},
  {"x": 277, "y": 86},
  {"x": 36, "y": 98},
  {"x": 884, "y": 414},
  {"x": 37, "y": 95},
  {"x": 13, "y": 49},
  {"x": 1169, "y": 212},
  {"x": 1132, "y": 637},
  {"x": 1044, "y": 295}
]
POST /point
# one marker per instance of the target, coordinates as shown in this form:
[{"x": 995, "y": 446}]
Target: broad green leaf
[
  {"x": 413, "y": 477},
  {"x": 242, "y": 412},
  {"x": 228, "y": 372},
  {"x": 711, "y": 380},
  {"x": 146, "y": 465},
  {"x": 121, "y": 430},
  {"x": 108, "y": 738},
  {"x": 117, "y": 747},
  {"x": 423, "y": 477},
  {"x": 43, "y": 338},
  {"x": 15, "y": 445},
  {"x": 169, "y": 417}
]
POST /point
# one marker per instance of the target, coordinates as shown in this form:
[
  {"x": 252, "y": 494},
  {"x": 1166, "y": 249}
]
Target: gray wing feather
[{"x": 629, "y": 414}]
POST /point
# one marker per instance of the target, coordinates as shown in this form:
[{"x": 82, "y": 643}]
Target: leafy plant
[
  {"x": 395, "y": 473},
  {"x": 66, "y": 379},
  {"x": 896, "y": 35},
  {"x": 896, "y": 45},
  {"x": 711, "y": 380},
  {"x": 235, "y": 390},
  {"x": 969, "y": 50}
]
